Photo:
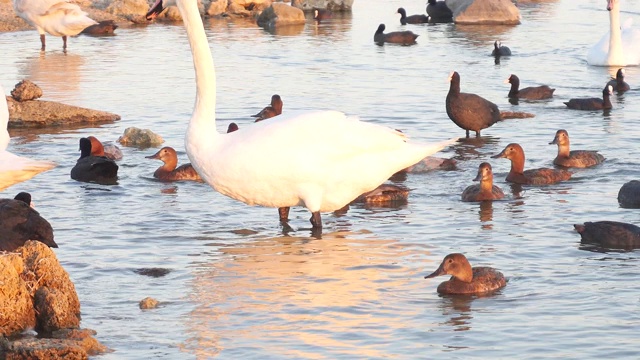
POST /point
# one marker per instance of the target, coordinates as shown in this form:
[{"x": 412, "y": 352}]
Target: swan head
[{"x": 157, "y": 7}]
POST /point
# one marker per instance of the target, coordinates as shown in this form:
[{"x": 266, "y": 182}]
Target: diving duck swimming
[
  {"x": 411, "y": 19},
  {"x": 485, "y": 190},
  {"x": 517, "y": 174},
  {"x": 629, "y": 195},
  {"x": 439, "y": 12},
  {"x": 610, "y": 234},
  {"x": 336, "y": 157},
  {"x": 19, "y": 222},
  {"x": 574, "y": 158},
  {"x": 168, "y": 171},
  {"x": 91, "y": 168},
  {"x": 592, "y": 103},
  {"x": 530, "y": 93},
  {"x": 55, "y": 17},
  {"x": 470, "y": 112},
  {"x": 110, "y": 151},
  {"x": 500, "y": 50},
  {"x": 270, "y": 111},
  {"x": 618, "y": 84},
  {"x": 466, "y": 280},
  {"x": 396, "y": 37}
]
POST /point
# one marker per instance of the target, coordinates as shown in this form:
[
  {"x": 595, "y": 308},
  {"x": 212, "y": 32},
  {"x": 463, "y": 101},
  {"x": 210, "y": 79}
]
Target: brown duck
[
  {"x": 485, "y": 190},
  {"x": 517, "y": 174},
  {"x": 466, "y": 280},
  {"x": 168, "y": 171},
  {"x": 575, "y": 158}
]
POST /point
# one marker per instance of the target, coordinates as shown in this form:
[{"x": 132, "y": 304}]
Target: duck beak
[
  {"x": 478, "y": 177},
  {"x": 155, "y": 10},
  {"x": 506, "y": 81},
  {"x": 555, "y": 141},
  {"x": 154, "y": 156},
  {"x": 438, "y": 272},
  {"x": 501, "y": 155}
]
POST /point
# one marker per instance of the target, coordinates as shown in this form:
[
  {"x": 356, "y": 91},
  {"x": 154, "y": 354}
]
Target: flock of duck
[{"x": 357, "y": 160}]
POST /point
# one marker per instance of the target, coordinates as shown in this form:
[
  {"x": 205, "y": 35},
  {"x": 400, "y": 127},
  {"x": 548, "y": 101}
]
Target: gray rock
[
  {"x": 140, "y": 138},
  {"x": 41, "y": 113},
  {"x": 332, "y": 5},
  {"x": 499, "y": 12},
  {"x": 26, "y": 90},
  {"x": 279, "y": 14}
]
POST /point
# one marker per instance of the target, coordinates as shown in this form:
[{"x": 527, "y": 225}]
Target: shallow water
[{"x": 240, "y": 288}]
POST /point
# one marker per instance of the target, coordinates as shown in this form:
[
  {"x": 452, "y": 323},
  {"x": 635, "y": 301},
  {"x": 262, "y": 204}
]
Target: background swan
[
  {"x": 620, "y": 46},
  {"x": 321, "y": 160},
  {"x": 55, "y": 17},
  {"x": 14, "y": 168}
]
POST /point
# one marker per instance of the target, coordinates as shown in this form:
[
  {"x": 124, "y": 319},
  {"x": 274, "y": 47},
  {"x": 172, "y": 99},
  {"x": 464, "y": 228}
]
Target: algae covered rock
[
  {"x": 280, "y": 14},
  {"x": 134, "y": 136},
  {"x": 26, "y": 90}
]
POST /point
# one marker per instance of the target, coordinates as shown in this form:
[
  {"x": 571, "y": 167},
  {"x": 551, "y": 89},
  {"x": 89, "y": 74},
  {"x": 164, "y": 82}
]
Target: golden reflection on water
[
  {"x": 281, "y": 287},
  {"x": 57, "y": 73}
]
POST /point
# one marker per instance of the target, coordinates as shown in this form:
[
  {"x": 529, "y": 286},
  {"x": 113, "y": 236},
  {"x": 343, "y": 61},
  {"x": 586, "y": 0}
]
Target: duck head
[
  {"x": 24, "y": 197},
  {"x": 455, "y": 265},
  {"x": 85, "y": 147},
  {"x": 232, "y": 127},
  {"x": 276, "y": 103},
  {"x": 96, "y": 146},
  {"x": 484, "y": 172},
  {"x": 402, "y": 12},
  {"x": 167, "y": 155},
  {"x": 512, "y": 151},
  {"x": 512, "y": 79},
  {"x": 561, "y": 138},
  {"x": 381, "y": 28}
]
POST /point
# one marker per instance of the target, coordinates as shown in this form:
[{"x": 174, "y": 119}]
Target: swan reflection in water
[
  {"x": 59, "y": 75},
  {"x": 315, "y": 293}
]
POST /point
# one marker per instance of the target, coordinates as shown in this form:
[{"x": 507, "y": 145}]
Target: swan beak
[
  {"x": 155, "y": 10},
  {"x": 610, "y": 4},
  {"x": 438, "y": 272},
  {"x": 154, "y": 156}
]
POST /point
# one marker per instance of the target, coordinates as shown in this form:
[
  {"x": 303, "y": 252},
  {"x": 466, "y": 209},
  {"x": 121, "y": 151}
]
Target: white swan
[
  {"x": 55, "y": 17},
  {"x": 14, "y": 168},
  {"x": 620, "y": 46},
  {"x": 321, "y": 160}
]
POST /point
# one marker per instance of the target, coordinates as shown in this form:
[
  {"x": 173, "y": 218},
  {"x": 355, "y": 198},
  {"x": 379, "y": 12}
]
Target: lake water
[{"x": 240, "y": 288}]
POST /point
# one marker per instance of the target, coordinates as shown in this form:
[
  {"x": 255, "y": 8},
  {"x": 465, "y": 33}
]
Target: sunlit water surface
[{"x": 240, "y": 288}]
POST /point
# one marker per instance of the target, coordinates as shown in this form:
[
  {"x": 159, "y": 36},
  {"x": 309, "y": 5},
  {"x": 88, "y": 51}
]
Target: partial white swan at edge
[
  {"x": 14, "y": 168},
  {"x": 321, "y": 160},
  {"x": 620, "y": 46}
]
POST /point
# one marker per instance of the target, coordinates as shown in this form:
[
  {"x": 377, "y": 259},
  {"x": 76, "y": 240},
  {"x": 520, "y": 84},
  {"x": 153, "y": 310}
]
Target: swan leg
[
  {"x": 42, "y": 42},
  {"x": 64, "y": 42},
  {"x": 284, "y": 214},
  {"x": 316, "y": 220}
]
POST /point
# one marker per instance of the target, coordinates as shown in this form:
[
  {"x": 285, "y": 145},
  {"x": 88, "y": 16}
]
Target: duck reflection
[
  {"x": 275, "y": 292},
  {"x": 458, "y": 311},
  {"x": 486, "y": 214},
  {"x": 468, "y": 148},
  {"x": 58, "y": 74}
]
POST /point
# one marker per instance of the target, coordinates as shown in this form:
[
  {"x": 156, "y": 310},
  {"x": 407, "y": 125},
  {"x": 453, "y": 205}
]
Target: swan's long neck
[
  {"x": 204, "y": 112},
  {"x": 615, "y": 37}
]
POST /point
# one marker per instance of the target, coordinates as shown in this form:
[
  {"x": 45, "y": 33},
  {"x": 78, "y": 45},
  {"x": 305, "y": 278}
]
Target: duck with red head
[
  {"x": 574, "y": 158},
  {"x": 517, "y": 174},
  {"x": 485, "y": 190},
  {"x": 272, "y": 110},
  {"x": 466, "y": 280},
  {"x": 90, "y": 168},
  {"x": 98, "y": 149},
  {"x": 170, "y": 171}
]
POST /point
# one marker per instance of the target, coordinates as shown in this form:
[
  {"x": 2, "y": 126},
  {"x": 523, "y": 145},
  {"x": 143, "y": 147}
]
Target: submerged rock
[
  {"x": 332, "y": 5},
  {"x": 140, "y": 138},
  {"x": 497, "y": 12},
  {"x": 41, "y": 113}
]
